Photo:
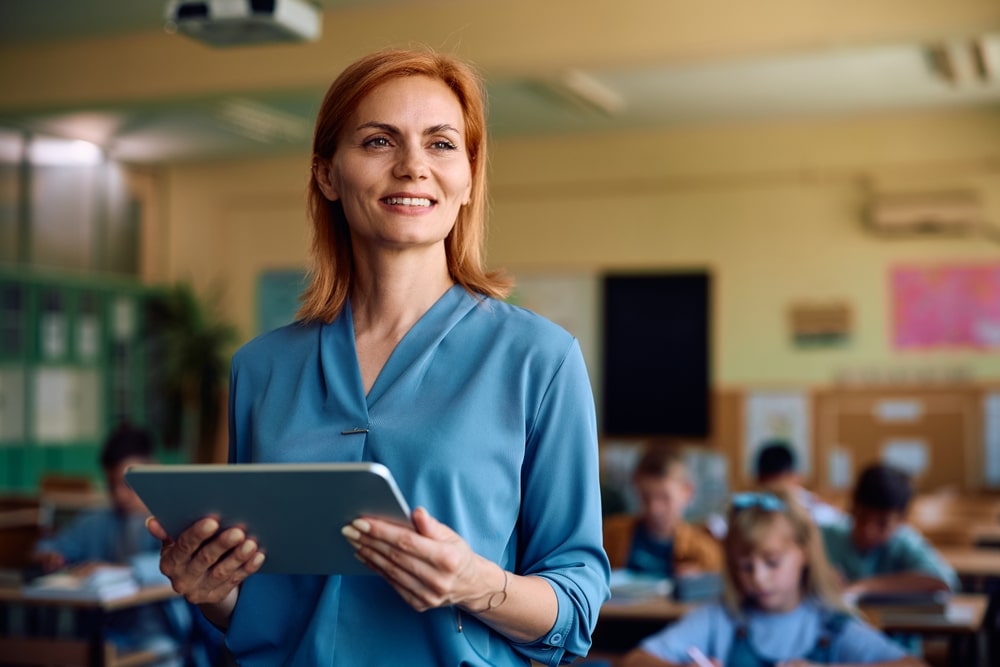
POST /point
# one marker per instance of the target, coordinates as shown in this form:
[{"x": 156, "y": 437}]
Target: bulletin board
[{"x": 934, "y": 433}]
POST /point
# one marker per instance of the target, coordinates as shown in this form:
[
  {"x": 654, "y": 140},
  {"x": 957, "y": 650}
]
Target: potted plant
[{"x": 190, "y": 348}]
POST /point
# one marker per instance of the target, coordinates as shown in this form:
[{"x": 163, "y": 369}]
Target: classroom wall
[{"x": 774, "y": 209}]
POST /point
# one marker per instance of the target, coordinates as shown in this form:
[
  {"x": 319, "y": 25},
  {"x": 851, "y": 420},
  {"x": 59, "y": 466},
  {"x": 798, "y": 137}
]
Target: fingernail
[
  {"x": 246, "y": 548},
  {"x": 258, "y": 560},
  {"x": 362, "y": 525},
  {"x": 350, "y": 533},
  {"x": 148, "y": 519}
]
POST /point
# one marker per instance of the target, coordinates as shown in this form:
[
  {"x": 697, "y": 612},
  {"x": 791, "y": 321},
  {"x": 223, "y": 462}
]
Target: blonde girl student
[{"x": 781, "y": 605}]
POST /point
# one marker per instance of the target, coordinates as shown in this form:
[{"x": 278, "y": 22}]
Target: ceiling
[{"x": 819, "y": 79}]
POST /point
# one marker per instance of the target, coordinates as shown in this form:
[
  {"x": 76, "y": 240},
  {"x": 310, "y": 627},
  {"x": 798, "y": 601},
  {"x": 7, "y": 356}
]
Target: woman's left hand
[{"x": 428, "y": 564}]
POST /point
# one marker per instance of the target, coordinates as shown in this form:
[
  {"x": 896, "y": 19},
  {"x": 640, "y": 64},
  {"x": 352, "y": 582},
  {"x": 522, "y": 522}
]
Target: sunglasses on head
[{"x": 765, "y": 501}]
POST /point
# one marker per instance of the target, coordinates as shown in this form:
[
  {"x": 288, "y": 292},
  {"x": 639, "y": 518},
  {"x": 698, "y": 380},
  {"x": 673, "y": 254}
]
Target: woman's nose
[{"x": 412, "y": 163}]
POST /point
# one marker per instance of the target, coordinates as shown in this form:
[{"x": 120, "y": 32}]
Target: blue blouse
[{"x": 485, "y": 416}]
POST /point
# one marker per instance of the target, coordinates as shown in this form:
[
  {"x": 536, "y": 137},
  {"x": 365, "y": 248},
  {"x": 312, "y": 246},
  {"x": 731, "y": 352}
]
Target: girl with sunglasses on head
[{"x": 781, "y": 605}]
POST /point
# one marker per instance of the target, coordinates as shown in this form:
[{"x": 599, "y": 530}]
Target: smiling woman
[{"x": 403, "y": 354}]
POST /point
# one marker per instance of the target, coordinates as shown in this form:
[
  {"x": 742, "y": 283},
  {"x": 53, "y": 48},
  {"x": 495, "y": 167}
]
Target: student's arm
[
  {"x": 915, "y": 566},
  {"x": 861, "y": 644},
  {"x": 696, "y": 551},
  {"x": 75, "y": 543}
]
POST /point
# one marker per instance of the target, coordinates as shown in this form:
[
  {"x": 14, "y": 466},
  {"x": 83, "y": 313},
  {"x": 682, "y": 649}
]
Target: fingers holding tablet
[{"x": 205, "y": 565}]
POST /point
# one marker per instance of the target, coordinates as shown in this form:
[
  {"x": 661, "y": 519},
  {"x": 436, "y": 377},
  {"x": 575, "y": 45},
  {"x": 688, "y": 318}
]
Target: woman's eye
[
  {"x": 444, "y": 145},
  {"x": 377, "y": 142}
]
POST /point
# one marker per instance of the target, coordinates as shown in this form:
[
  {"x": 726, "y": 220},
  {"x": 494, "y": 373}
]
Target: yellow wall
[{"x": 773, "y": 209}]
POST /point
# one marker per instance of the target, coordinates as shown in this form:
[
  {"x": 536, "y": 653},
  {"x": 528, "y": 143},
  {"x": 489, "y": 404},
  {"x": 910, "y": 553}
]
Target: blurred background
[{"x": 787, "y": 210}]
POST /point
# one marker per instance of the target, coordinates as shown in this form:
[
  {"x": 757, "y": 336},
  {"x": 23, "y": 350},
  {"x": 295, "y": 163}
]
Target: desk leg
[{"x": 97, "y": 651}]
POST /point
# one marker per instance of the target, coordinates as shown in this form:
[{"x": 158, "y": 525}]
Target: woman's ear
[{"x": 323, "y": 172}]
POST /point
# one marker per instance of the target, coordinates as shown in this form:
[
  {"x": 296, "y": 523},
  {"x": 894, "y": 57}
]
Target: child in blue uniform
[
  {"x": 117, "y": 535},
  {"x": 781, "y": 605}
]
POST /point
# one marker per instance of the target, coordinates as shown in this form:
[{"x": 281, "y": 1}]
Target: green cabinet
[{"x": 72, "y": 366}]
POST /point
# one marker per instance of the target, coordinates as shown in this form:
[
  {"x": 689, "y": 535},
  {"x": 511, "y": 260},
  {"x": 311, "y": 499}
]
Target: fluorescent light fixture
[
  {"x": 587, "y": 91},
  {"x": 51, "y": 151}
]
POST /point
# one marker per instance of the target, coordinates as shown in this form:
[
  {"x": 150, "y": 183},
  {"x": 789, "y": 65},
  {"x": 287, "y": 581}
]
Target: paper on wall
[
  {"x": 909, "y": 455},
  {"x": 777, "y": 415},
  {"x": 991, "y": 438}
]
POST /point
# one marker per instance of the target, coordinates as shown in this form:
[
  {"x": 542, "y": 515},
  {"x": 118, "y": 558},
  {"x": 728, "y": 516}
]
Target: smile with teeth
[{"x": 407, "y": 201}]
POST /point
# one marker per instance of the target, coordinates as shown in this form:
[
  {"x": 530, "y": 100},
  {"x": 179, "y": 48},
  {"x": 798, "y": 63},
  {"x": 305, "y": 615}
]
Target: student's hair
[
  {"x": 751, "y": 515},
  {"x": 660, "y": 461},
  {"x": 882, "y": 487},
  {"x": 126, "y": 442},
  {"x": 332, "y": 269},
  {"x": 775, "y": 458}
]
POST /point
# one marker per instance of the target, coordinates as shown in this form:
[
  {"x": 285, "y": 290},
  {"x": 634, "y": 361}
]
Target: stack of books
[
  {"x": 627, "y": 586},
  {"x": 905, "y": 602},
  {"x": 103, "y": 583},
  {"x": 698, "y": 587}
]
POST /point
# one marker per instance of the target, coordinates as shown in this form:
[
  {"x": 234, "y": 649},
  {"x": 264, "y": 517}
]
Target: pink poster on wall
[{"x": 947, "y": 306}]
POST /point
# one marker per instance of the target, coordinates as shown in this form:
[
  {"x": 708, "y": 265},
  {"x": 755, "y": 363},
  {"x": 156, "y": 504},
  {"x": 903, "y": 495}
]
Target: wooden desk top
[
  {"x": 965, "y": 615},
  {"x": 973, "y": 561},
  {"x": 145, "y": 595}
]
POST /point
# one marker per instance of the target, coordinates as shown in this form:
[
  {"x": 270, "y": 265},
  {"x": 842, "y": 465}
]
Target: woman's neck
[{"x": 387, "y": 299}]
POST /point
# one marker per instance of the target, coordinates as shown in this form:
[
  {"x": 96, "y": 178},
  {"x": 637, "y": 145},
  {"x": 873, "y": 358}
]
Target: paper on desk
[
  {"x": 959, "y": 613},
  {"x": 103, "y": 584}
]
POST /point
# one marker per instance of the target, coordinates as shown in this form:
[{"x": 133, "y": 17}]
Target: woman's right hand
[{"x": 205, "y": 567}]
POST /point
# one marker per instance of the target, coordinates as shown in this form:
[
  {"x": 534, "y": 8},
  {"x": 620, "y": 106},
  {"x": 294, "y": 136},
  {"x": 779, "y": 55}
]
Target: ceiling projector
[{"x": 245, "y": 22}]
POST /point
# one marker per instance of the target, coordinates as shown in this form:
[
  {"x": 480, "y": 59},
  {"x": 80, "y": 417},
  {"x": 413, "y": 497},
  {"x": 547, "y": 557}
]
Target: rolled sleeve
[{"x": 561, "y": 534}]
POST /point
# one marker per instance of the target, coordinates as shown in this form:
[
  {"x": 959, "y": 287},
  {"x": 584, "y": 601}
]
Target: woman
[{"x": 405, "y": 355}]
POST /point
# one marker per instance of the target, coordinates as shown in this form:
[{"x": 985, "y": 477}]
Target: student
[
  {"x": 117, "y": 535},
  {"x": 777, "y": 467},
  {"x": 781, "y": 603},
  {"x": 406, "y": 354},
  {"x": 658, "y": 541},
  {"x": 875, "y": 550}
]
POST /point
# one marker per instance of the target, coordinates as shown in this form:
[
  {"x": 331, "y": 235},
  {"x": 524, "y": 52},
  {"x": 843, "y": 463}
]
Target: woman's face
[{"x": 401, "y": 168}]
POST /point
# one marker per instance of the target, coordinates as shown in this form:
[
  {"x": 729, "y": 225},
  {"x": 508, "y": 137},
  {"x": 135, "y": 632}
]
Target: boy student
[
  {"x": 117, "y": 535},
  {"x": 658, "y": 541},
  {"x": 777, "y": 468},
  {"x": 875, "y": 550}
]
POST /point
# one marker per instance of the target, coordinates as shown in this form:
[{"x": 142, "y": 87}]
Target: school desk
[
  {"x": 976, "y": 562},
  {"x": 71, "y": 652}
]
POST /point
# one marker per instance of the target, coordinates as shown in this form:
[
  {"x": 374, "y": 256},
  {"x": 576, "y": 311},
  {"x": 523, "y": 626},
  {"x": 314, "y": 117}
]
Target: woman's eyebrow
[
  {"x": 373, "y": 125},
  {"x": 443, "y": 127}
]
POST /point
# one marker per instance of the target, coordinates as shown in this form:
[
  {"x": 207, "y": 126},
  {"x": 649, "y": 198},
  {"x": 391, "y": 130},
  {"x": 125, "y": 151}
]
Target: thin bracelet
[{"x": 493, "y": 603}]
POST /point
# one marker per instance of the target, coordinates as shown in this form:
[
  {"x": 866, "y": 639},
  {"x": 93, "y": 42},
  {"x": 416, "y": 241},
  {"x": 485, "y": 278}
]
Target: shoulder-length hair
[
  {"x": 332, "y": 264},
  {"x": 748, "y": 522}
]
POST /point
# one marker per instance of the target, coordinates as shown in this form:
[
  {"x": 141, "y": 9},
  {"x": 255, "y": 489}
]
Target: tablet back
[{"x": 294, "y": 511}]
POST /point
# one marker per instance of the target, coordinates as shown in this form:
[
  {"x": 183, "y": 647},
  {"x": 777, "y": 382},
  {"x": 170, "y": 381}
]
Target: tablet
[{"x": 294, "y": 510}]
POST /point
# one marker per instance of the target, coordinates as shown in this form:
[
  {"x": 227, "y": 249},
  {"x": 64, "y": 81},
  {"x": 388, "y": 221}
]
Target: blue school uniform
[
  {"x": 485, "y": 416},
  {"x": 761, "y": 639}
]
